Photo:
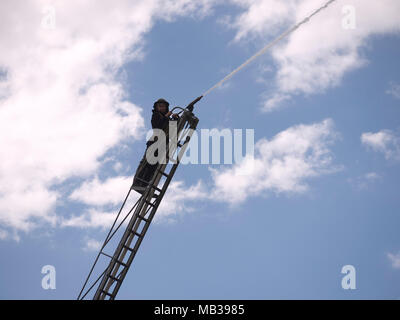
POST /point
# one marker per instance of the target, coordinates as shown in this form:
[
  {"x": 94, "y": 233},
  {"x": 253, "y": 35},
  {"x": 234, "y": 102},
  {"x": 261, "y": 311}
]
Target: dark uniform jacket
[{"x": 158, "y": 121}]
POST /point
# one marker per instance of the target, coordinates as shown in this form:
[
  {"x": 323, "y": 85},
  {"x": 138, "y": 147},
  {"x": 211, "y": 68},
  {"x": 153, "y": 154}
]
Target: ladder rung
[
  {"x": 107, "y": 293},
  {"x": 163, "y": 173},
  {"x": 114, "y": 278},
  {"x": 128, "y": 248},
  {"x": 143, "y": 218},
  {"x": 121, "y": 263},
  {"x": 155, "y": 188},
  {"x": 105, "y": 254},
  {"x": 137, "y": 234},
  {"x": 149, "y": 203}
]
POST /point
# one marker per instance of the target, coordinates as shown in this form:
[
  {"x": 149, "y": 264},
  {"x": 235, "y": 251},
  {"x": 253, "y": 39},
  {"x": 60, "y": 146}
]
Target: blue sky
[{"x": 80, "y": 100}]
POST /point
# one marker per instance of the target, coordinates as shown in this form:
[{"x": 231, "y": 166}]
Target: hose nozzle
[{"x": 191, "y": 105}]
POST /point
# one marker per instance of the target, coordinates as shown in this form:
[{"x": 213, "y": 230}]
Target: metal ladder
[{"x": 143, "y": 212}]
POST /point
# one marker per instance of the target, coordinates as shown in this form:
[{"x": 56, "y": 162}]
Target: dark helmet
[{"x": 161, "y": 101}]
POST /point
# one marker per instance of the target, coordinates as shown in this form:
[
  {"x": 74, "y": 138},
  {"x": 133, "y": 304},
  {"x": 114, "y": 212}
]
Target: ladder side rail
[
  {"x": 121, "y": 250},
  {"x": 110, "y": 275},
  {"x": 151, "y": 216}
]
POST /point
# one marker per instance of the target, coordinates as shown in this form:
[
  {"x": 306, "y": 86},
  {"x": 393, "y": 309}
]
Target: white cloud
[
  {"x": 99, "y": 193},
  {"x": 394, "y": 90},
  {"x": 90, "y": 218},
  {"x": 180, "y": 199},
  {"x": 394, "y": 259},
  {"x": 100, "y": 196},
  {"x": 262, "y": 16},
  {"x": 281, "y": 165},
  {"x": 372, "y": 176},
  {"x": 92, "y": 245},
  {"x": 275, "y": 101},
  {"x": 385, "y": 141},
  {"x": 103, "y": 199},
  {"x": 3, "y": 234},
  {"x": 118, "y": 166},
  {"x": 319, "y": 54},
  {"x": 364, "y": 181},
  {"x": 62, "y": 102}
]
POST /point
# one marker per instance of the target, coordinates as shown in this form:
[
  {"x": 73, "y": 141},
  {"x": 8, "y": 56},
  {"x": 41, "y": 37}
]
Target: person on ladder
[{"x": 159, "y": 120}]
